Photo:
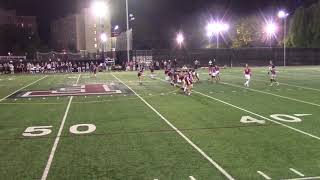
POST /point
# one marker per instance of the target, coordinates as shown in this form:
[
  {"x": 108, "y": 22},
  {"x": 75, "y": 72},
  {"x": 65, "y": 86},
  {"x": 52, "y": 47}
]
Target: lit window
[
  {"x": 22, "y": 24},
  {"x": 95, "y": 39},
  {"x": 95, "y": 25},
  {"x": 95, "y": 32},
  {"x": 95, "y": 45}
]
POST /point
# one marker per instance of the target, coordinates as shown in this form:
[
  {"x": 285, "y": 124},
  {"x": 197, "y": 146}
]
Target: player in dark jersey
[
  {"x": 195, "y": 75},
  {"x": 171, "y": 76},
  {"x": 273, "y": 74},
  {"x": 152, "y": 75},
  {"x": 166, "y": 72},
  {"x": 247, "y": 75},
  {"x": 95, "y": 69},
  {"x": 140, "y": 75}
]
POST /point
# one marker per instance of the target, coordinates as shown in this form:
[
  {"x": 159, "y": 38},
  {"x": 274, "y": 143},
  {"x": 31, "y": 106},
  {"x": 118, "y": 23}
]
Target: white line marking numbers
[
  {"x": 75, "y": 129},
  {"x": 249, "y": 119},
  {"x": 285, "y": 118},
  {"x": 78, "y": 129},
  {"x": 278, "y": 117},
  {"x": 37, "y": 131}
]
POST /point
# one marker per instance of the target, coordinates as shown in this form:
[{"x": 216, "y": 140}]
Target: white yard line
[
  {"x": 258, "y": 115},
  {"x": 263, "y": 175},
  {"x": 305, "y": 178},
  {"x": 263, "y": 92},
  {"x": 56, "y": 142},
  {"x": 224, "y": 172},
  {"x": 78, "y": 79},
  {"x": 192, "y": 178},
  {"x": 22, "y": 88},
  {"x": 297, "y": 172}
]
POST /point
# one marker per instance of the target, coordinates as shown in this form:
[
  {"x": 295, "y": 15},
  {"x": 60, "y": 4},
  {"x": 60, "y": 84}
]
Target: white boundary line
[
  {"x": 258, "y": 115},
  {"x": 264, "y": 175},
  {"x": 283, "y": 97},
  {"x": 291, "y": 85},
  {"x": 22, "y": 88},
  {"x": 300, "y": 87},
  {"x": 297, "y": 172},
  {"x": 305, "y": 178},
  {"x": 192, "y": 178},
  {"x": 56, "y": 141},
  {"x": 226, "y": 174}
]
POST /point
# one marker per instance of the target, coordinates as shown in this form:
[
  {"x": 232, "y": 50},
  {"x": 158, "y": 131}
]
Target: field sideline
[{"x": 154, "y": 131}]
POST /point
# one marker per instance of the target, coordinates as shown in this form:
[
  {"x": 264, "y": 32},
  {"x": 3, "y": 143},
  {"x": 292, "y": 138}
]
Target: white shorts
[
  {"x": 217, "y": 72},
  {"x": 273, "y": 75},
  {"x": 214, "y": 74},
  {"x": 247, "y": 76}
]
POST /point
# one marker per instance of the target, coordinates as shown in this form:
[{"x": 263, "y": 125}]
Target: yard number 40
[{"x": 278, "y": 117}]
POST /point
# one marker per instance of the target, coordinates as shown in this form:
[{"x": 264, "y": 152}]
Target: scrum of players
[{"x": 185, "y": 77}]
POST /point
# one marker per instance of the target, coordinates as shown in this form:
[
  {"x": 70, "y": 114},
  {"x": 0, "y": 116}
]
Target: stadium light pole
[
  {"x": 128, "y": 41},
  {"x": 283, "y": 15},
  {"x": 216, "y": 29},
  {"x": 100, "y": 10}
]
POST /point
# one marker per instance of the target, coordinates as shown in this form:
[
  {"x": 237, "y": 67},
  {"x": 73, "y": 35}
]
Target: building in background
[
  {"x": 67, "y": 33},
  {"x": 9, "y": 17},
  {"x": 81, "y": 32},
  {"x": 119, "y": 43}
]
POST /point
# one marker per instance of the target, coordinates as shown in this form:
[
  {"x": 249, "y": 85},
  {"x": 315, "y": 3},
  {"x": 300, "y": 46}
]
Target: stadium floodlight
[
  {"x": 216, "y": 28},
  {"x": 103, "y": 37},
  {"x": 180, "y": 38},
  {"x": 282, "y": 14},
  {"x": 99, "y": 9},
  {"x": 116, "y": 27},
  {"x": 271, "y": 29}
]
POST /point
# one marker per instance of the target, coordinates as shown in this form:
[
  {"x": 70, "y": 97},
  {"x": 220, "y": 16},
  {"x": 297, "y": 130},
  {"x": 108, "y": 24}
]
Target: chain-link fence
[{"x": 231, "y": 57}]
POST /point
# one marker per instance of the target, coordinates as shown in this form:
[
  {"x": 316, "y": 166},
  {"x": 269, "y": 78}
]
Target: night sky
[{"x": 156, "y": 20}]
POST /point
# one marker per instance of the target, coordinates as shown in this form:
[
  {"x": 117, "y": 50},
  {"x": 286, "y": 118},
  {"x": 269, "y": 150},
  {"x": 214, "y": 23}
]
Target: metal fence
[{"x": 235, "y": 57}]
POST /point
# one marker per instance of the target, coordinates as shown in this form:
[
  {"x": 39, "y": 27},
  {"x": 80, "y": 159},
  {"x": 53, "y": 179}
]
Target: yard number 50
[{"x": 37, "y": 131}]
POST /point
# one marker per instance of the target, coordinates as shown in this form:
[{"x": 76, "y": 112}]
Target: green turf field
[{"x": 154, "y": 131}]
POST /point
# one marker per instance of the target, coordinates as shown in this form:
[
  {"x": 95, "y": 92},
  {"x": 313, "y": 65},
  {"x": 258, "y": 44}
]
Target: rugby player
[
  {"x": 247, "y": 75},
  {"x": 140, "y": 75},
  {"x": 273, "y": 74}
]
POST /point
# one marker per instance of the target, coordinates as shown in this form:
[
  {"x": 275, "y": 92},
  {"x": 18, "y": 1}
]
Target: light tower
[{"x": 283, "y": 15}]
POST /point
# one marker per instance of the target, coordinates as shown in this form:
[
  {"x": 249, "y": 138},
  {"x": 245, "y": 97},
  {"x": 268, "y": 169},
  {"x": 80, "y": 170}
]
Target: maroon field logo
[{"x": 77, "y": 90}]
